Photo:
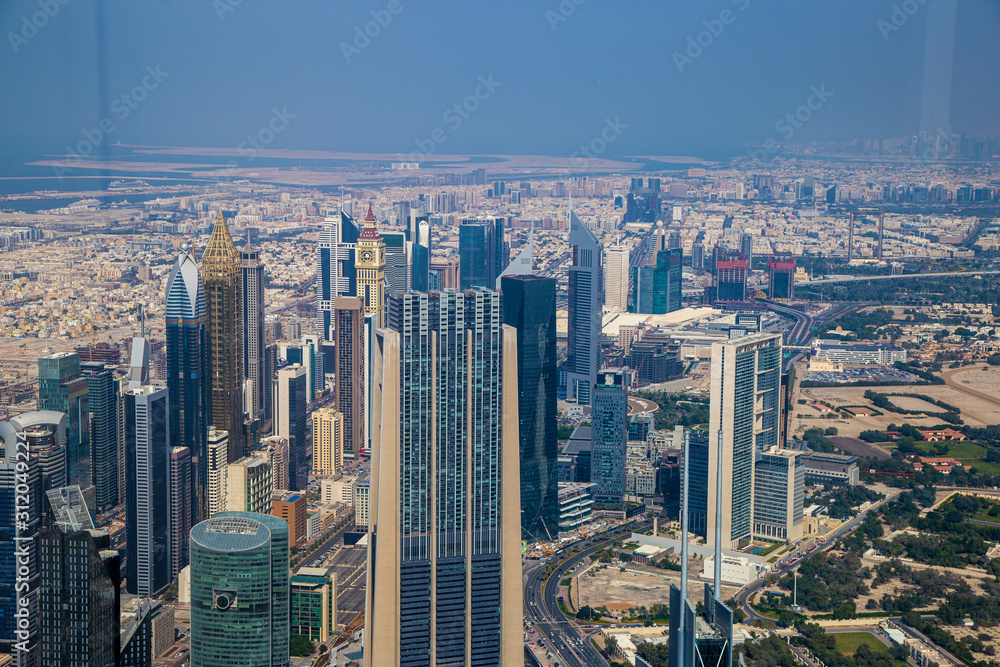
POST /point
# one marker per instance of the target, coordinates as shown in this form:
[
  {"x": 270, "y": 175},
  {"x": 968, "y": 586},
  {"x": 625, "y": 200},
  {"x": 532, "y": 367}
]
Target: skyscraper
[
  {"x": 217, "y": 467},
  {"x": 731, "y": 280},
  {"x": 444, "y": 569},
  {"x": 782, "y": 283},
  {"x": 779, "y": 494},
  {"x": 421, "y": 256},
  {"x": 252, "y": 319},
  {"x": 608, "y": 436},
  {"x": 616, "y": 288},
  {"x": 744, "y": 420},
  {"x": 147, "y": 524},
  {"x": 658, "y": 287},
  {"x": 328, "y": 442},
  {"x": 397, "y": 265},
  {"x": 102, "y": 397},
  {"x": 480, "y": 247},
  {"x": 61, "y": 389},
  {"x": 250, "y": 485},
  {"x": 187, "y": 370},
  {"x": 78, "y": 593},
  {"x": 349, "y": 362},
  {"x": 180, "y": 507},
  {"x": 370, "y": 252},
  {"x": 529, "y": 304},
  {"x": 584, "y": 332},
  {"x": 290, "y": 422},
  {"x": 239, "y": 591},
  {"x": 336, "y": 271},
  {"x": 220, "y": 267}
]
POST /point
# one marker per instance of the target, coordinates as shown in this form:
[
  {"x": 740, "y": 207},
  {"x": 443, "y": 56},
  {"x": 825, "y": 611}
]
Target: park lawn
[
  {"x": 848, "y": 642},
  {"x": 966, "y": 450},
  {"x": 987, "y": 518}
]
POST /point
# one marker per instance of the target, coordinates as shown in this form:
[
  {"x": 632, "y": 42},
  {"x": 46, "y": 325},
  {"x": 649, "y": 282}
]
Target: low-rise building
[
  {"x": 291, "y": 506},
  {"x": 313, "y": 603},
  {"x": 575, "y": 505},
  {"x": 880, "y": 355},
  {"x": 837, "y": 469}
]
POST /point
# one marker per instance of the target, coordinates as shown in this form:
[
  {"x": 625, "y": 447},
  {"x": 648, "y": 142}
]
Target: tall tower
[
  {"x": 444, "y": 570},
  {"x": 103, "y": 400},
  {"x": 586, "y": 278},
  {"x": 239, "y": 590},
  {"x": 290, "y": 422},
  {"x": 187, "y": 371},
  {"x": 617, "y": 263},
  {"x": 328, "y": 442},
  {"x": 336, "y": 270},
  {"x": 743, "y": 422},
  {"x": 252, "y": 335},
  {"x": 220, "y": 267},
  {"x": 609, "y": 436},
  {"x": 180, "y": 507},
  {"x": 370, "y": 251},
  {"x": 61, "y": 389},
  {"x": 529, "y": 304},
  {"x": 349, "y": 365},
  {"x": 147, "y": 453}
]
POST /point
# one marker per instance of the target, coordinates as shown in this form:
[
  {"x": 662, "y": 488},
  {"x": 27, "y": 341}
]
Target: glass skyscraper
[
  {"x": 240, "y": 591},
  {"x": 103, "y": 402},
  {"x": 585, "y": 302},
  {"x": 336, "y": 274},
  {"x": 61, "y": 389},
  {"x": 187, "y": 369},
  {"x": 608, "y": 436},
  {"x": 529, "y": 305},
  {"x": 658, "y": 287},
  {"x": 252, "y": 321},
  {"x": 78, "y": 593},
  {"x": 444, "y": 570},
  {"x": 482, "y": 251},
  {"x": 147, "y": 502}
]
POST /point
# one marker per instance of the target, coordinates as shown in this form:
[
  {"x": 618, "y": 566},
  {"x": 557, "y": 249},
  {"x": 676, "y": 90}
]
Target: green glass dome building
[{"x": 239, "y": 591}]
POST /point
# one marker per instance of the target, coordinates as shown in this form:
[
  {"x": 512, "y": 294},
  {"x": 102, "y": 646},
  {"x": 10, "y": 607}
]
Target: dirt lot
[
  {"x": 622, "y": 590},
  {"x": 975, "y": 411}
]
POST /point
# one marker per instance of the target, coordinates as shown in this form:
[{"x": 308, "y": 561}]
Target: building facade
[
  {"x": 187, "y": 370},
  {"x": 616, "y": 287},
  {"x": 249, "y": 485},
  {"x": 217, "y": 473},
  {"x": 252, "y": 332},
  {"x": 609, "y": 435},
  {"x": 62, "y": 389},
  {"x": 529, "y": 304},
  {"x": 778, "y": 494},
  {"x": 444, "y": 568},
  {"x": 370, "y": 267},
  {"x": 147, "y": 524},
  {"x": 585, "y": 299},
  {"x": 349, "y": 365},
  {"x": 290, "y": 422},
  {"x": 102, "y": 398},
  {"x": 336, "y": 273},
  {"x": 220, "y": 268},
  {"x": 745, "y": 414},
  {"x": 181, "y": 475},
  {"x": 328, "y": 442},
  {"x": 240, "y": 591}
]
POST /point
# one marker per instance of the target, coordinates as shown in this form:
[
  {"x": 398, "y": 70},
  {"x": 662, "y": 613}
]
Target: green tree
[{"x": 301, "y": 646}]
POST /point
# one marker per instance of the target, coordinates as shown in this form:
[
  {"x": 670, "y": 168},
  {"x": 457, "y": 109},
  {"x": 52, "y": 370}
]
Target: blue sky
[{"x": 559, "y": 74}]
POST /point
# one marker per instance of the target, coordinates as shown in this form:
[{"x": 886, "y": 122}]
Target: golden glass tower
[
  {"x": 370, "y": 264},
  {"x": 220, "y": 269}
]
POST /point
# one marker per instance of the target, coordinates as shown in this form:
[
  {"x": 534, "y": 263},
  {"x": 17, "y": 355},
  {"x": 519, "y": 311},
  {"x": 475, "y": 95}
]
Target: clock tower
[{"x": 370, "y": 264}]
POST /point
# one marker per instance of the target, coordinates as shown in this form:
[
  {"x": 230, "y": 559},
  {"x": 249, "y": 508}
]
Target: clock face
[{"x": 366, "y": 256}]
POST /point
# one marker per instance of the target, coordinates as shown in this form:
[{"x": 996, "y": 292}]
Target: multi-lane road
[
  {"x": 541, "y": 605},
  {"x": 743, "y": 596}
]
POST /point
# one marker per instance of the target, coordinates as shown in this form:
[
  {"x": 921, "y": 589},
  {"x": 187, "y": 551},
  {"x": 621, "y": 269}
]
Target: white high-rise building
[
  {"x": 616, "y": 263},
  {"x": 217, "y": 465}
]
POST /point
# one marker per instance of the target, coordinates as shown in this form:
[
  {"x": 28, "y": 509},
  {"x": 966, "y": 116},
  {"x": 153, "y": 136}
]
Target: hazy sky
[{"x": 561, "y": 71}]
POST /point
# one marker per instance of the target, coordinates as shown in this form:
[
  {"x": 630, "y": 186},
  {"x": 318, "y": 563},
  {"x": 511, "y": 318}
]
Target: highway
[
  {"x": 541, "y": 606},
  {"x": 830, "y": 281}
]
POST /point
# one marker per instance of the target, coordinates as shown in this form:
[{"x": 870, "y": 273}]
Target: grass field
[
  {"x": 848, "y": 642},
  {"x": 968, "y": 453}
]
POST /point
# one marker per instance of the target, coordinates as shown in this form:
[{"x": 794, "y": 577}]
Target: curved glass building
[{"x": 239, "y": 591}]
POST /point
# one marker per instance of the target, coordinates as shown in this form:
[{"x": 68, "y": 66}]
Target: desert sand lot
[
  {"x": 622, "y": 590},
  {"x": 981, "y": 378},
  {"x": 976, "y": 411}
]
